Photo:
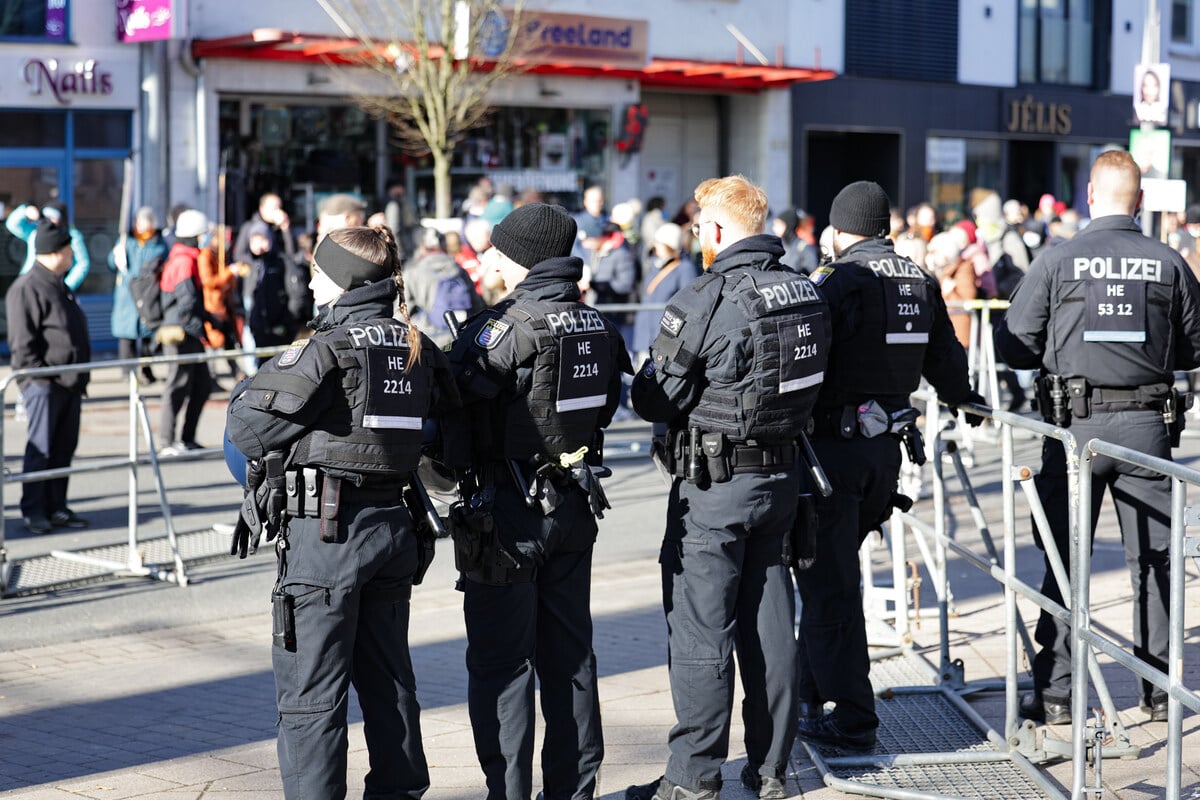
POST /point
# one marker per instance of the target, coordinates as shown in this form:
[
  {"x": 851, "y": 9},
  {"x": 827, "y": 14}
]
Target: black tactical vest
[
  {"x": 376, "y": 423},
  {"x": 573, "y": 364},
  {"x": 886, "y": 354},
  {"x": 789, "y": 323}
]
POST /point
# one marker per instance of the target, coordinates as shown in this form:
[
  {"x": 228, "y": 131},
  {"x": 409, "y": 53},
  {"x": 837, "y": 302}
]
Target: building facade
[
  {"x": 937, "y": 98},
  {"x": 269, "y": 112},
  {"x": 71, "y": 109}
]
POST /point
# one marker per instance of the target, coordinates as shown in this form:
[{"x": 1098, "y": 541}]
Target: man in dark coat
[{"x": 47, "y": 328}]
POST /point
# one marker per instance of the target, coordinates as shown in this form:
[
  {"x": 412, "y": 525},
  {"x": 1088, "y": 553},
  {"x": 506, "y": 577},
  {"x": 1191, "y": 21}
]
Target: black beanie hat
[
  {"x": 346, "y": 269},
  {"x": 862, "y": 208},
  {"x": 50, "y": 237},
  {"x": 535, "y": 232}
]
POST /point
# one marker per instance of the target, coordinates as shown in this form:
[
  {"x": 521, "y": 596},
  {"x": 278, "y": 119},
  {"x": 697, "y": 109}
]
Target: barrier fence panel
[
  {"x": 1085, "y": 639},
  {"x": 111, "y": 560},
  {"x": 1091, "y": 740}
]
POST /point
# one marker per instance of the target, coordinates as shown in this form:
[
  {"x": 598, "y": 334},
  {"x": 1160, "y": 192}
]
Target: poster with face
[{"x": 1151, "y": 93}]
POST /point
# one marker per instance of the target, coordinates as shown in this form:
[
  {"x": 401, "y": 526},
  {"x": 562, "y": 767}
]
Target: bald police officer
[
  {"x": 1107, "y": 317},
  {"x": 890, "y": 328}
]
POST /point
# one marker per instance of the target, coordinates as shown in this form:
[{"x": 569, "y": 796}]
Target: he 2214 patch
[
  {"x": 490, "y": 334},
  {"x": 292, "y": 354}
]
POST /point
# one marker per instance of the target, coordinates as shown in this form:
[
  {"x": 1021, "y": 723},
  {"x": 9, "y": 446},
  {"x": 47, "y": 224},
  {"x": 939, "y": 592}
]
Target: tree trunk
[{"x": 441, "y": 184}]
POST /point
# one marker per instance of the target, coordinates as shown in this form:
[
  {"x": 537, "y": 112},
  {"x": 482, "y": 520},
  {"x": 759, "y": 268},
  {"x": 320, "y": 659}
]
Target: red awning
[{"x": 271, "y": 44}]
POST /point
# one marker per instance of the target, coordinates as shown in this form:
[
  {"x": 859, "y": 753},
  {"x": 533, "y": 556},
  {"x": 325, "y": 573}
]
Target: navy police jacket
[
  {"x": 1110, "y": 305},
  {"x": 890, "y": 328}
]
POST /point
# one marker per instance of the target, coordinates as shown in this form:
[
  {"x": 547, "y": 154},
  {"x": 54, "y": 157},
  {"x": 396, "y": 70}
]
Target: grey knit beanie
[
  {"x": 535, "y": 232},
  {"x": 862, "y": 208}
]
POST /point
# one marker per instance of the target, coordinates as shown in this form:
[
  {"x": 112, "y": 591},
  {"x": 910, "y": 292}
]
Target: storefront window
[
  {"x": 97, "y": 204},
  {"x": 956, "y": 166},
  {"x": 103, "y": 129},
  {"x": 297, "y": 151},
  {"x": 33, "y": 129},
  {"x": 34, "y": 19},
  {"x": 556, "y": 151}
]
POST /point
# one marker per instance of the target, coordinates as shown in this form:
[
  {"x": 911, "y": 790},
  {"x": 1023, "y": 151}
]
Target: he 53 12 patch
[{"x": 490, "y": 334}]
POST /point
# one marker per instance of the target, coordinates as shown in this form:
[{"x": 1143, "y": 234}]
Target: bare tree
[{"x": 440, "y": 59}]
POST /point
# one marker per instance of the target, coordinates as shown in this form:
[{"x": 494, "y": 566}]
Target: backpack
[
  {"x": 147, "y": 295},
  {"x": 1007, "y": 275},
  {"x": 453, "y": 293}
]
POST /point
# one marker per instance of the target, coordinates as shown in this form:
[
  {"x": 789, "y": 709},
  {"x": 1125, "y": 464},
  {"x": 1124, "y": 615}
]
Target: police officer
[
  {"x": 540, "y": 375},
  {"x": 345, "y": 409},
  {"x": 890, "y": 328},
  {"x": 732, "y": 373},
  {"x": 1107, "y": 317}
]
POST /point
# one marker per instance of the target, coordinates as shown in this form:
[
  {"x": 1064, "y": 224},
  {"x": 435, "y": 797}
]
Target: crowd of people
[{"x": 483, "y": 349}]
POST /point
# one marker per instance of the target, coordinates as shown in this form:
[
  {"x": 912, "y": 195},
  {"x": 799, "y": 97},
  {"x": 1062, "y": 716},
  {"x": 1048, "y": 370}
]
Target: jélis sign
[
  {"x": 144, "y": 20},
  {"x": 65, "y": 82}
]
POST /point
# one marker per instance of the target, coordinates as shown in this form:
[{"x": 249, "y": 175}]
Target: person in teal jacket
[
  {"x": 142, "y": 246},
  {"x": 22, "y": 223}
]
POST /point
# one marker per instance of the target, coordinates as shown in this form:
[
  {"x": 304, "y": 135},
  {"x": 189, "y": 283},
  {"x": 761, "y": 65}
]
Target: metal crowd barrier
[
  {"x": 1092, "y": 740},
  {"x": 134, "y": 564},
  {"x": 1085, "y": 638}
]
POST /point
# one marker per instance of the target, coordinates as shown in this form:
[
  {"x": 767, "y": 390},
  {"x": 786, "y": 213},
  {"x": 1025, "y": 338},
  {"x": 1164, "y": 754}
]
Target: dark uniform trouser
[
  {"x": 833, "y": 663},
  {"x": 352, "y": 611},
  {"x": 1143, "y": 504},
  {"x": 53, "y": 414},
  {"x": 542, "y": 627},
  {"x": 725, "y": 585},
  {"x": 187, "y": 387}
]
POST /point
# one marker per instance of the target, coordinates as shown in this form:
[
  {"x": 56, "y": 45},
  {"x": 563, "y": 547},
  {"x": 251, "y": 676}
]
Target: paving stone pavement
[{"x": 187, "y": 711}]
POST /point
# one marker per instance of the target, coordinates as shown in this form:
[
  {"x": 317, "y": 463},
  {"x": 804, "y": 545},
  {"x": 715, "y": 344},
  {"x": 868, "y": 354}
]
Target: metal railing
[
  {"x": 1085, "y": 639},
  {"x": 139, "y": 423},
  {"x": 1091, "y": 740}
]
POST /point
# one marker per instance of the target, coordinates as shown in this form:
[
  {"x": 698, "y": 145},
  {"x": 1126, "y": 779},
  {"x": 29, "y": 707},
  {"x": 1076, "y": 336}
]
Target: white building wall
[
  {"x": 987, "y": 43},
  {"x": 760, "y": 142},
  {"x": 1128, "y": 22}
]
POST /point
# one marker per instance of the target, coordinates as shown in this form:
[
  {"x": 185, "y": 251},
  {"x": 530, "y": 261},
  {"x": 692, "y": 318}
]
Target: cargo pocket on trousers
[{"x": 304, "y": 609}]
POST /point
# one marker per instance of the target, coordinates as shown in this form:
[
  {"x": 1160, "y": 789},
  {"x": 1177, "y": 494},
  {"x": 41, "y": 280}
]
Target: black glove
[
  {"x": 974, "y": 420},
  {"x": 239, "y": 544},
  {"x": 247, "y": 533}
]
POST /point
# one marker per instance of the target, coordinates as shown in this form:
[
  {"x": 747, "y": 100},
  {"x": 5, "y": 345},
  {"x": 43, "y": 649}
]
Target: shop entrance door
[
  {"x": 837, "y": 158},
  {"x": 1031, "y": 172},
  {"x": 21, "y": 183}
]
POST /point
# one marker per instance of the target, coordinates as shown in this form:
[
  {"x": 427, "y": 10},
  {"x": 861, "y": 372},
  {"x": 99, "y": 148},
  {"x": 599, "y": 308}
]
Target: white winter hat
[
  {"x": 669, "y": 234},
  {"x": 191, "y": 224}
]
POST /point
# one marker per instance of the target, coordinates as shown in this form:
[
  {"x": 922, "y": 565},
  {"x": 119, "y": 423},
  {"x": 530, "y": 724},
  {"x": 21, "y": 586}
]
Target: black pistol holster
[
  {"x": 1053, "y": 399},
  {"x": 1175, "y": 407},
  {"x": 478, "y": 554},
  {"x": 414, "y": 501},
  {"x": 800, "y": 545}
]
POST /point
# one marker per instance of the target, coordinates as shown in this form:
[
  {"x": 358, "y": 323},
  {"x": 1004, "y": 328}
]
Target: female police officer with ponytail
[{"x": 346, "y": 409}]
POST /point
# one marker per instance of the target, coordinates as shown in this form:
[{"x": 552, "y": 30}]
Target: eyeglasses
[{"x": 697, "y": 225}]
